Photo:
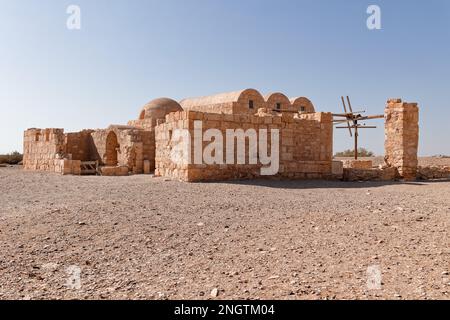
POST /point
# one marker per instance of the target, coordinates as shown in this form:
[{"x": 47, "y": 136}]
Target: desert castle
[{"x": 146, "y": 145}]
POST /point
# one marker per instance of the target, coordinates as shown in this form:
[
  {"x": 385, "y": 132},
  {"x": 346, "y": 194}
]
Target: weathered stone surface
[
  {"x": 433, "y": 172},
  {"x": 358, "y": 164},
  {"x": 114, "y": 171},
  {"x": 337, "y": 168},
  {"x": 402, "y": 137},
  {"x": 372, "y": 174},
  {"x": 305, "y": 146}
]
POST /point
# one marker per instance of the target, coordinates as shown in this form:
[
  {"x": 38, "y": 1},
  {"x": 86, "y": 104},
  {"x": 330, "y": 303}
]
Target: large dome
[{"x": 158, "y": 108}]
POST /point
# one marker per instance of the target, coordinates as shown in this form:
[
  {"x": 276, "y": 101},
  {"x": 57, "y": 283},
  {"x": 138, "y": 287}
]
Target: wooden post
[{"x": 356, "y": 140}]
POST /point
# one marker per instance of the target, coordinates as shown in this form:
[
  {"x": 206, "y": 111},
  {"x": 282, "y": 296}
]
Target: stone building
[
  {"x": 117, "y": 150},
  {"x": 304, "y": 140}
]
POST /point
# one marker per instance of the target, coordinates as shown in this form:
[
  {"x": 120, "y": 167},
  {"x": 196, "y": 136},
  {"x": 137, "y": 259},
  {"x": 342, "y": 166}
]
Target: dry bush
[
  {"x": 362, "y": 152},
  {"x": 11, "y": 158}
]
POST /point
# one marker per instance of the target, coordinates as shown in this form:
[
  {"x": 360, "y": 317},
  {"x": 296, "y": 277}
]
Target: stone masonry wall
[
  {"x": 402, "y": 137},
  {"x": 78, "y": 145},
  {"x": 135, "y": 146},
  {"x": 305, "y": 146},
  {"x": 41, "y": 148}
]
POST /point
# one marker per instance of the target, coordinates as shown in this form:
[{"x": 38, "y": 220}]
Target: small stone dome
[{"x": 158, "y": 108}]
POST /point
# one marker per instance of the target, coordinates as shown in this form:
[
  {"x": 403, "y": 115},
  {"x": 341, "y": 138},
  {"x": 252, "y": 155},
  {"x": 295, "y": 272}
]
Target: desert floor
[{"x": 141, "y": 237}]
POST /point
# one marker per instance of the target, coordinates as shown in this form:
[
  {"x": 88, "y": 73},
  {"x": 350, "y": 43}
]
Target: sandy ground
[{"x": 140, "y": 237}]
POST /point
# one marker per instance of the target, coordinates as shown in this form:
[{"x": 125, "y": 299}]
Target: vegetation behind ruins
[
  {"x": 362, "y": 152},
  {"x": 11, "y": 158}
]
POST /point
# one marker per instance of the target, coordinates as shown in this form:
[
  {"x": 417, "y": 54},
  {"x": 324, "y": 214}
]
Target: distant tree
[
  {"x": 362, "y": 152},
  {"x": 11, "y": 158}
]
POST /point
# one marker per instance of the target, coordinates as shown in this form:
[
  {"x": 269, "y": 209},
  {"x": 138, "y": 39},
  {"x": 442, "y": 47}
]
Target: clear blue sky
[{"x": 129, "y": 52}]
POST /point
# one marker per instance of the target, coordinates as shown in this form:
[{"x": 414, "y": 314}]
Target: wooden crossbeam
[
  {"x": 358, "y": 127},
  {"x": 348, "y": 114},
  {"x": 380, "y": 116}
]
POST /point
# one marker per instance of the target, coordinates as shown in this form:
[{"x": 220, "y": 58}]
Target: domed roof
[{"x": 158, "y": 108}]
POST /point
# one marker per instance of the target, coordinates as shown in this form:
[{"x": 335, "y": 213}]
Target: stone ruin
[{"x": 145, "y": 145}]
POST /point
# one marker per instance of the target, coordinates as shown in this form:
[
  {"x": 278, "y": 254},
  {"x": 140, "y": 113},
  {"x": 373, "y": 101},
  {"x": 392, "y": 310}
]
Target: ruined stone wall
[
  {"x": 402, "y": 137},
  {"x": 305, "y": 146},
  {"x": 41, "y": 147},
  {"x": 78, "y": 145},
  {"x": 134, "y": 146}
]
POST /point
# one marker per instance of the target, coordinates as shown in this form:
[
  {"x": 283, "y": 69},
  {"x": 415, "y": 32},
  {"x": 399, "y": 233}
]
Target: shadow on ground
[{"x": 327, "y": 184}]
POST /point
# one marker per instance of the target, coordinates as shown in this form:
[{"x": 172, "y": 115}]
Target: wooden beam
[
  {"x": 380, "y": 116},
  {"x": 358, "y": 127}
]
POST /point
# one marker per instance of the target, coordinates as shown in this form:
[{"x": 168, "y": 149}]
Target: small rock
[
  {"x": 200, "y": 224},
  {"x": 214, "y": 292}
]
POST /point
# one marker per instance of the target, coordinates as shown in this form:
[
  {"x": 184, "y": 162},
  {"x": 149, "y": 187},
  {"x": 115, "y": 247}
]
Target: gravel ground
[{"x": 140, "y": 237}]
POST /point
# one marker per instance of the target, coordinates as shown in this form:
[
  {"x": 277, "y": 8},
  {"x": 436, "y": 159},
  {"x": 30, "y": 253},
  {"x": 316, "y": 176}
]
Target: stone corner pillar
[{"x": 402, "y": 137}]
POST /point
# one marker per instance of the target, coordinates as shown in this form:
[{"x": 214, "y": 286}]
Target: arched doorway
[{"x": 112, "y": 149}]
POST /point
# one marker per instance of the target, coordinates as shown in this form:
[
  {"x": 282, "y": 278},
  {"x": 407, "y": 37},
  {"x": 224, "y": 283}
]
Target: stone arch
[{"x": 112, "y": 149}]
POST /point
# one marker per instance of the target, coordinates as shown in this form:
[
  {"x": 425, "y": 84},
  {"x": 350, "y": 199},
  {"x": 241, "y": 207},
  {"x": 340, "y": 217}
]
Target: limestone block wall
[
  {"x": 225, "y": 107},
  {"x": 41, "y": 148},
  {"x": 402, "y": 137},
  {"x": 78, "y": 145},
  {"x": 305, "y": 146},
  {"x": 147, "y": 123},
  {"x": 65, "y": 166}
]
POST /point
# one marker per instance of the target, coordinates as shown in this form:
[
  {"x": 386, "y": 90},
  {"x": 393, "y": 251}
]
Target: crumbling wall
[
  {"x": 402, "y": 137},
  {"x": 41, "y": 147},
  {"x": 372, "y": 174},
  {"x": 133, "y": 147},
  {"x": 305, "y": 148}
]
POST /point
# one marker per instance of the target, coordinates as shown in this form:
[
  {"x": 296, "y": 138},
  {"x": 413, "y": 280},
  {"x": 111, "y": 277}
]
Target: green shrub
[
  {"x": 11, "y": 158},
  {"x": 351, "y": 153}
]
